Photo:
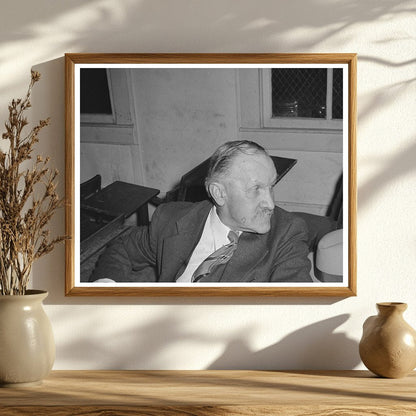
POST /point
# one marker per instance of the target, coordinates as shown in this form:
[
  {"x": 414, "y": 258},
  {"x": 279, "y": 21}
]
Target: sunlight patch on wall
[
  {"x": 258, "y": 23},
  {"x": 68, "y": 31}
]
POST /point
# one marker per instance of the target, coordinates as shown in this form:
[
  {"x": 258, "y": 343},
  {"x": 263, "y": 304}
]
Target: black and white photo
[{"x": 211, "y": 175}]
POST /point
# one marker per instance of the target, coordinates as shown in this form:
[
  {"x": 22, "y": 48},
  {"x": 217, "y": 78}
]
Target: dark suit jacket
[{"x": 160, "y": 252}]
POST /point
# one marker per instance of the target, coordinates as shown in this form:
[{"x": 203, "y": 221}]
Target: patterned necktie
[{"x": 220, "y": 256}]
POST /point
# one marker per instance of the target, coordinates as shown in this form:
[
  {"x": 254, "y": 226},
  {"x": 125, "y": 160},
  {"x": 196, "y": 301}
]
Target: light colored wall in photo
[
  {"x": 182, "y": 115},
  {"x": 200, "y": 333}
]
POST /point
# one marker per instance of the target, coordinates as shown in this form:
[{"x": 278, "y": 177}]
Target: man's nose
[{"x": 268, "y": 199}]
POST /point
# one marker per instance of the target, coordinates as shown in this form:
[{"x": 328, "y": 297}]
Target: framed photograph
[{"x": 211, "y": 174}]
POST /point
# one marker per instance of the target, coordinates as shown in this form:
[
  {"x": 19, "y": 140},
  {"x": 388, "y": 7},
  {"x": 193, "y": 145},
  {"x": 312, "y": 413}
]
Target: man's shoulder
[
  {"x": 281, "y": 217},
  {"x": 281, "y": 213},
  {"x": 177, "y": 209}
]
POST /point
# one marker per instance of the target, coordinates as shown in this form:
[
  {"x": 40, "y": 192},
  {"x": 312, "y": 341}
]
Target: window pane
[
  {"x": 337, "y": 94},
  {"x": 95, "y": 96},
  {"x": 299, "y": 92}
]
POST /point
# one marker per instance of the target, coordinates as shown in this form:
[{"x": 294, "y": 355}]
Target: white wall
[
  {"x": 198, "y": 333},
  {"x": 183, "y": 115}
]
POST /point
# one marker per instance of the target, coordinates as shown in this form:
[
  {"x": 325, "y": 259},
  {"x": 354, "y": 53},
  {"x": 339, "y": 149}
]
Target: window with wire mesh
[
  {"x": 302, "y": 92},
  {"x": 337, "y": 94}
]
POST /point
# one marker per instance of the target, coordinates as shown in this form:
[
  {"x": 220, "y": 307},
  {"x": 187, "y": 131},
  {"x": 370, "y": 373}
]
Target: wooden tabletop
[{"x": 202, "y": 393}]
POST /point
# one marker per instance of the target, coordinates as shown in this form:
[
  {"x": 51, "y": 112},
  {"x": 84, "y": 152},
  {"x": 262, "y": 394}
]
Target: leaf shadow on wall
[
  {"x": 315, "y": 346},
  {"x": 151, "y": 345},
  {"x": 264, "y": 26},
  {"x": 403, "y": 162}
]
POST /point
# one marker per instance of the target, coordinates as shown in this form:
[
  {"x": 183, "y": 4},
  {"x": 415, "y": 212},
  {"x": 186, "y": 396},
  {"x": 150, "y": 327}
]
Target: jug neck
[{"x": 390, "y": 308}]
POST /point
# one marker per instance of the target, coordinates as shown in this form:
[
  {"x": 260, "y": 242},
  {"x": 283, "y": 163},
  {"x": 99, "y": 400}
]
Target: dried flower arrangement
[{"x": 28, "y": 200}]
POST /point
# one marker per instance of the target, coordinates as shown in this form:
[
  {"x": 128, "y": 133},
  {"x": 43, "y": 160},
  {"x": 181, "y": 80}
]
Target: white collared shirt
[{"x": 214, "y": 236}]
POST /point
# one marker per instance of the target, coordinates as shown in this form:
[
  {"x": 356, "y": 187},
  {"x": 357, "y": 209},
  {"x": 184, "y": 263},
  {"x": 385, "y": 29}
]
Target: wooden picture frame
[{"x": 249, "y": 75}]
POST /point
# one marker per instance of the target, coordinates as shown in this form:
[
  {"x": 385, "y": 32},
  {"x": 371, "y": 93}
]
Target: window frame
[
  {"x": 120, "y": 123},
  {"x": 268, "y": 121}
]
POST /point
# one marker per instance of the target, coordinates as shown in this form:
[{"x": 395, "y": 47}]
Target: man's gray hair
[{"x": 220, "y": 161}]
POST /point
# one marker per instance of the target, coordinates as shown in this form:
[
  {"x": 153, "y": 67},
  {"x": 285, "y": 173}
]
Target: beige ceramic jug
[{"x": 388, "y": 345}]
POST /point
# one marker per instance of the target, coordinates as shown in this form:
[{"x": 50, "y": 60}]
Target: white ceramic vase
[{"x": 27, "y": 346}]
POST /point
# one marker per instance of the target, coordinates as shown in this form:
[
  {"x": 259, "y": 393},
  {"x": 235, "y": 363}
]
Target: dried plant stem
[{"x": 23, "y": 217}]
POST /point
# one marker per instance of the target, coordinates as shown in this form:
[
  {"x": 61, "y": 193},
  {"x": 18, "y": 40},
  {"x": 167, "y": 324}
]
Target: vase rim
[
  {"x": 395, "y": 305},
  {"x": 29, "y": 293}
]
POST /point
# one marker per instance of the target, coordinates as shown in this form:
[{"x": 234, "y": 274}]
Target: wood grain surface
[{"x": 203, "y": 393}]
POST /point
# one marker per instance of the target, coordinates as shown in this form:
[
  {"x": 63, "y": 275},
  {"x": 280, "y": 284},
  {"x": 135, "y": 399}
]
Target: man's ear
[{"x": 217, "y": 192}]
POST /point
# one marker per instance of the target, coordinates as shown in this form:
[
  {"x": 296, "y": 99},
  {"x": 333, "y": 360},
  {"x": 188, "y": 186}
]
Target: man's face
[{"x": 247, "y": 203}]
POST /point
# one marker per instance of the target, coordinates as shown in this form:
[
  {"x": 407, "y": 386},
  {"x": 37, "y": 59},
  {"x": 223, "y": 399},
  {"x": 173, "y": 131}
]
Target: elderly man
[{"x": 239, "y": 236}]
